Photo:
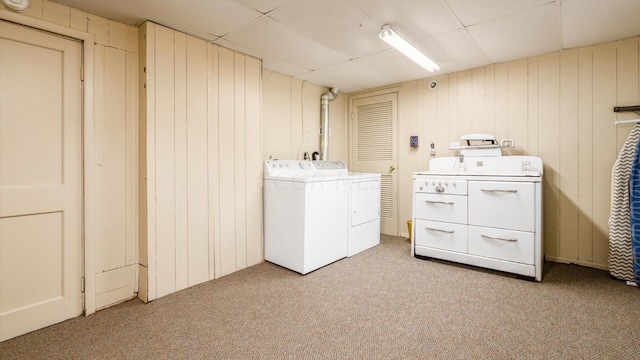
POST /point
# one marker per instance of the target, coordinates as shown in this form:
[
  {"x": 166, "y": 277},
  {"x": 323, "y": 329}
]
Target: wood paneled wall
[
  {"x": 201, "y": 162},
  {"x": 115, "y": 147},
  {"x": 557, "y": 106},
  {"x": 291, "y": 119},
  {"x": 116, "y": 156}
]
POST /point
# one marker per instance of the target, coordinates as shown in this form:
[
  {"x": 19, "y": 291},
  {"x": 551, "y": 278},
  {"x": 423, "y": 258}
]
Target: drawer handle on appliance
[
  {"x": 498, "y": 190},
  {"x": 499, "y": 238},
  {"x": 439, "y": 202},
  {"x": 439, "y": 230}
]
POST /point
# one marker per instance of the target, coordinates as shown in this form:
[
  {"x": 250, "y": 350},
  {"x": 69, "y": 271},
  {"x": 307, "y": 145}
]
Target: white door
[
  {"x": 40, "y": 180},
  {"x": 373, "y": 137}
]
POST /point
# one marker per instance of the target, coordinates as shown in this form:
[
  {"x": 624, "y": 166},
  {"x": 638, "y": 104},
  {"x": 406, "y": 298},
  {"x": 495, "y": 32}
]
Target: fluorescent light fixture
[{"x": 391, "y": 36}]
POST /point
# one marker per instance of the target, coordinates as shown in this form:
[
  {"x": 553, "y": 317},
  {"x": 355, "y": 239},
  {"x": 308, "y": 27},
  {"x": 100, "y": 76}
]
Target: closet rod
[
  {"x": 632, "y": 121},
  {"x": 634, "y": 108}
]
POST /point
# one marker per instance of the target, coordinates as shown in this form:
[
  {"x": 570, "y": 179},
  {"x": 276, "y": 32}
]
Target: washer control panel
[
  {"x": 329, "y": 165},
  {"x": 434, "y": 185},
  {"x": 304, "y": 167}
]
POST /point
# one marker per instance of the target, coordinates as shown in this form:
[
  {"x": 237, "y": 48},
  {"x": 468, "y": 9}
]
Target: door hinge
[
  {"x": 81, "y": 73},
  {"x": 82, "y": 284}
]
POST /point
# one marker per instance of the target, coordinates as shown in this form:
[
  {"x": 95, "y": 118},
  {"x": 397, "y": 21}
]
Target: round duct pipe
[{"x": 324, "y": 143}]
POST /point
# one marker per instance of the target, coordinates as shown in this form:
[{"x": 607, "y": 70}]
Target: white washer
[
  {"x": 364, "y": 212},
  {"x": 305, "y": 213}
]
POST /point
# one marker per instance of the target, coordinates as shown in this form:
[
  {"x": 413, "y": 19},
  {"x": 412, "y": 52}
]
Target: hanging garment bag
[
  {"x": 634, "y": 202},
  {"x": 620, "y": 258}
]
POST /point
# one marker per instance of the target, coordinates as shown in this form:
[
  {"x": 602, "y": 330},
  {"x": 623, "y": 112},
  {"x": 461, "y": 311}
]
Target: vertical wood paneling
[
  {"x": 465, "y": 103},
  {"x": 549, "y": 125},
  {"x": 406, "y": 110},
  {"x": 240, "y": 163},
  {"x": 338, "y": 141},
  {"x": 296, "y": 121},
  {"x": 478, "y": 105},
  {"x": 490, "y": 103},
  {"x": 585, "y": 159},
  {"x": 197, "y": 171},
  {"x": 429, "y": 129},
  {"x": 277, "y": 117},
  {"x": 453, "y": 107},
  {"x": 203, "y": 158},
  {"x": 421, "y": 118},
  {"x": 254, "y": 161},
  {"x": 99, "y": 27},
  {"x": 517, "y": 106},
  {"x": 604, "y": 152},
  {"x": 626, "y": 85},
  {"x": 35, "y": 9},
  {"x": 131, "y": 181},
  {"x": 165, "y": 164},
  {"x": 180, "y": 175},
  {"x": 568, "y": 240},
  {"x": 227, "y": 160},
  {"x": 122, "y": 36},
  {"x": 532, "y": 103},
  {"x": 501, "y": 112},
  {"x": 150, "y": 162},
  {"x": 99, "y": 118},
  {"x": 213, "y": 159},
  {"x": 56, "y": 13},
  {"x": 78, "y": 20},
  {"x": 442, "y": 146},
  {"x": 113, "y": 248}
]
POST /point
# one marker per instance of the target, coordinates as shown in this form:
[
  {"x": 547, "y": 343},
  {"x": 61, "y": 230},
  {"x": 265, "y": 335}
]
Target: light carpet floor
[{"x": 379, "y": 304}]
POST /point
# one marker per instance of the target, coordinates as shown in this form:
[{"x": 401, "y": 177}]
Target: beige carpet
[{"x": 379, "y": 304}]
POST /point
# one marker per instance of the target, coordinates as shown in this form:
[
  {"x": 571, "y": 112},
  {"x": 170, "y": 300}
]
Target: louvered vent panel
[
  {"x": 375, "y": 131},
  {"x": 386, "y": 198}
]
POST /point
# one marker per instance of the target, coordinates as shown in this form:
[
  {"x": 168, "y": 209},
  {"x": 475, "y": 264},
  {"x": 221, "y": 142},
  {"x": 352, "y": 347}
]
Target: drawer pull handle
[
  {"x": 498, "y": 190},
  {"x": 439, "y": 230},
  {"x": 499, "y": 238},
  {"x": 439, "y": 202}
]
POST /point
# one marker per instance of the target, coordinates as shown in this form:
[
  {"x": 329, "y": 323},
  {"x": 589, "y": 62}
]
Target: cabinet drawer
[
  {"x": 506, "y": 205},
  {"x": 445, "y": 236},
  {"x": 436, "y": 207},
  {"x": 516, "y": 246}
]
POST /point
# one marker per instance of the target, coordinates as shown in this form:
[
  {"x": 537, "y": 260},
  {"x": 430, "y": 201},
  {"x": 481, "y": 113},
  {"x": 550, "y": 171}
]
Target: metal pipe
[{"x": 324, "y": 142}]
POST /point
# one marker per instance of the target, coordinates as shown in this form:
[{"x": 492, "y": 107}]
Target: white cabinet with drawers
[{"x": 491, "y": 221}]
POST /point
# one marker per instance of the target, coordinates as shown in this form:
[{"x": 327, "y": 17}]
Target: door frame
[{"x": 88, "y": 143}]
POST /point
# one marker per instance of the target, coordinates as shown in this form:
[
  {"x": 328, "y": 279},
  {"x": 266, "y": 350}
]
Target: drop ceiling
[{"x": 335, "y": 43}]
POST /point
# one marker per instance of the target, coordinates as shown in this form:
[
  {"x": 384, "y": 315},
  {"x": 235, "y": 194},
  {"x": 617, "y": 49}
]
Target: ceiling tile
[
  {"x": 339, "y": 38},
  {"x": 269, "y": 63},
  {"x": 454, "y": 51},
  {"x": 278, "y": 42},
  {"x": 588, "y": 22},
  {"x": 264, "y": 6},
  {"x": 415, "y": 19},
  {"x": 217, "y": 17},
  {"x": 473, "y": 11},
  {"x": 348, "y": 77},
  {"x": 520, "y": 35},
  {"x": 395, "y": 65},
  {"x": 339, "y": 24}
]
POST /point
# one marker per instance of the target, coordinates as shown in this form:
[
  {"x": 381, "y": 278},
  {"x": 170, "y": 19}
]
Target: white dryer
[
  {"x": 364, "y": 212},
  {"x": 305, "y": 213}
]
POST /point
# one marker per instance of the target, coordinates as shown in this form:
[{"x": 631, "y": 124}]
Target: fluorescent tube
[{"x": 388, "y": 34}]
